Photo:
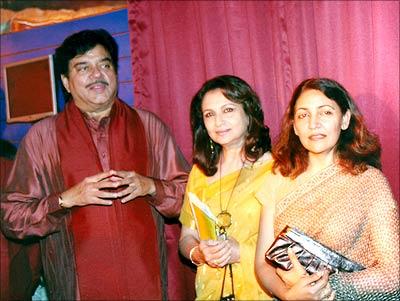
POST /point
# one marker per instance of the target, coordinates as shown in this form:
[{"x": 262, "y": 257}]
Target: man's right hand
[{"x": 92, "y": 190}]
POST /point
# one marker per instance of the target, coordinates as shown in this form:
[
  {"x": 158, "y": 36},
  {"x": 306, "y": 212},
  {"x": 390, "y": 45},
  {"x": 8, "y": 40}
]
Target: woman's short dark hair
[
  {"x": 356, "y": 147},
  {"x": 81, "y": 42},
  {"x": 206, "y": 153}
]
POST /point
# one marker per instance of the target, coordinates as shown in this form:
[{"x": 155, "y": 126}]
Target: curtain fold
[{"x": 177, "y": 45}]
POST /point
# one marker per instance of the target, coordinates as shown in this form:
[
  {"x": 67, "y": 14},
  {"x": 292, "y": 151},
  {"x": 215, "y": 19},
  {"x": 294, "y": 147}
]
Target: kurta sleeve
[
  {"x": 379, "y": 281},
  {"x": 167, "y": 166},
  {"x": 29, "y": 204}
]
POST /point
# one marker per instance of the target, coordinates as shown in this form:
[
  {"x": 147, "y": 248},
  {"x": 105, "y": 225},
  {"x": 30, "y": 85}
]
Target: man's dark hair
[{"x": 81, "y": 42}]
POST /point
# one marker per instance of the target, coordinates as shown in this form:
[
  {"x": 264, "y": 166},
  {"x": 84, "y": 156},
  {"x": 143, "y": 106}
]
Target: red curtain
[{"x": 177, "y": 45}]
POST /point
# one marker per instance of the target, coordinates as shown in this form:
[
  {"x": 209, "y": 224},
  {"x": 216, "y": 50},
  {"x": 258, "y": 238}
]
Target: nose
[
  {"x": 219, "y": 120},
  {"x": 314, "y": 121},
  {"x": 95, "y": 72}
]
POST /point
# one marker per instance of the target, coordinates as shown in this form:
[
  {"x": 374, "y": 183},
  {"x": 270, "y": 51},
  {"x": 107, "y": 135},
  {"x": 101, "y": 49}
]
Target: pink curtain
[{"x": 177, "y": 45}]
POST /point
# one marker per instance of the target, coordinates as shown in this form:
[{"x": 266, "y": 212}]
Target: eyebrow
[
  {"x": 79, "y": 64},
  {"x": 320, "y": 107},
  {"x": 222, "y": 107},
  {"x": 105, "y": 59}
]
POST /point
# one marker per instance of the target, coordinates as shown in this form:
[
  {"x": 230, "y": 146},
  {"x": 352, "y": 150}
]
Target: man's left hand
[{"x": 137, "y": 185}]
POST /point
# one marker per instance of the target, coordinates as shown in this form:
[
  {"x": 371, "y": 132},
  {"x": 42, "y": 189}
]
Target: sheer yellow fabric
[{"x": 245, "y": 211}]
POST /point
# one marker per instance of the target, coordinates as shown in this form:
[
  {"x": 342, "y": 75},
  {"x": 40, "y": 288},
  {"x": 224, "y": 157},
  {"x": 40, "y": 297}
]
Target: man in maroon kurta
[{"x": 95, "y": 182}]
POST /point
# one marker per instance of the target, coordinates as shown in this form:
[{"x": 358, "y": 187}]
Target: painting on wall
[{"x": 30, "y": 89}]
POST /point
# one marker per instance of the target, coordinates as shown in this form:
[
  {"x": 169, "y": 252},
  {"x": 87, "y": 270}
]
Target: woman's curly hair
[{"x": 355, "y": 149}]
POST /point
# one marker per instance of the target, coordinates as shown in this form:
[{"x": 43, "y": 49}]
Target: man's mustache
[{"x": 97, "y": 82}]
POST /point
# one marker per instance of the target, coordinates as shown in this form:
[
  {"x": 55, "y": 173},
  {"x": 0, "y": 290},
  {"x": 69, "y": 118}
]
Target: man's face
[{"x": 92, "y": 80}]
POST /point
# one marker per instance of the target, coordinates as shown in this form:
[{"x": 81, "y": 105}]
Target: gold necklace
[{"x": 224, "y": 218}]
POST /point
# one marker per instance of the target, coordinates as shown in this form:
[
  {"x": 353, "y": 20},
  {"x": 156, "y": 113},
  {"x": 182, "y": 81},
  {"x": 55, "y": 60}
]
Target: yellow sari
[{"x": 245, "y": 211}]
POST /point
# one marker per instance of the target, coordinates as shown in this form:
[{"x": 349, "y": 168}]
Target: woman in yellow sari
[{"x": 231, "y": 161}]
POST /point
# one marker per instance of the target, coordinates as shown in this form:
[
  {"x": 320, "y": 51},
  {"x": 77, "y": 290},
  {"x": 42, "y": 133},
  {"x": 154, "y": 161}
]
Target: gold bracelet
[{"x": 191, "y": 254}]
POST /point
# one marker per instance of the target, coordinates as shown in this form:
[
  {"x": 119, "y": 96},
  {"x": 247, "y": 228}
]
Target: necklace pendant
[{"x": 224, "y": 220}]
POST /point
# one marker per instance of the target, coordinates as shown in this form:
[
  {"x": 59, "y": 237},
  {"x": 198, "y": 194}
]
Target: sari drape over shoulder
[
  {"x": 245, "y": 211},
  {"x": 355, "y": 215}
]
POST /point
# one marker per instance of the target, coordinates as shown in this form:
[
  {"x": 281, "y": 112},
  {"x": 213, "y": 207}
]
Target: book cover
[{"x": 205, "y": 219}]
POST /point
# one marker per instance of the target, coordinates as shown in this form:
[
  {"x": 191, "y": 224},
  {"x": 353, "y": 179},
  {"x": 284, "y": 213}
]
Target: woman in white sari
[{"x": 327, "y": 182}]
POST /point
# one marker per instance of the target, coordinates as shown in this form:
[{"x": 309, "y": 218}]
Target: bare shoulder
[{"x": 265, "y": 158}]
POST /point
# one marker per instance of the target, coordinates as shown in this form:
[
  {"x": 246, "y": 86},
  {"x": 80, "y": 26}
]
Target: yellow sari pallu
[{"x": 245, "y": 211}]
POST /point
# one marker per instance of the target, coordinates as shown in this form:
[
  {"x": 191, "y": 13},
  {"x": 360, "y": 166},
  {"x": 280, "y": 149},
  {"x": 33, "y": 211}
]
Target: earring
[{"x": 212, "y": 148}]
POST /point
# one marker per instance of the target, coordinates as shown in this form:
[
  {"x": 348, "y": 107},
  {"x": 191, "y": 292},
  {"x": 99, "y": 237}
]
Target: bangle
[
  {"x": 61, "y": 202},
  {"x": 191, "y": 254}
]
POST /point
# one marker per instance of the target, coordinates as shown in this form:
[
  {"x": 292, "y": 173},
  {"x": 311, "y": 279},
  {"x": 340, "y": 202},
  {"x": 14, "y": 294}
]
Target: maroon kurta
[
  {"x": 33, "y": 210},
  {"x": 20, "y": 262}
]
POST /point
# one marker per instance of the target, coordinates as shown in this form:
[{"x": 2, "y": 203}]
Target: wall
[{"x": 42, "y": 41}]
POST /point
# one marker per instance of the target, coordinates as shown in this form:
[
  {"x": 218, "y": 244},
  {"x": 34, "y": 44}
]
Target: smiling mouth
[
  {"x": 317, "y": 137},
  {"x": 222, "y": 133}
]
